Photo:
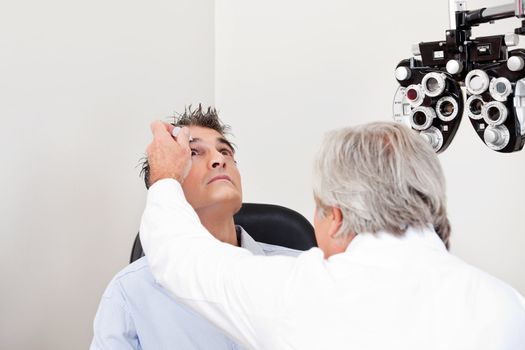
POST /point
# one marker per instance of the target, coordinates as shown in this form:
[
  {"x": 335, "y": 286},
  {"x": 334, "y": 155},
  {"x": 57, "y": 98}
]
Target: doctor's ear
[{"x": 336, "y": 216}]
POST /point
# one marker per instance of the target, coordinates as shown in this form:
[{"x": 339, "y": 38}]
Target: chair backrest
[{"x": 266, "y": 223}]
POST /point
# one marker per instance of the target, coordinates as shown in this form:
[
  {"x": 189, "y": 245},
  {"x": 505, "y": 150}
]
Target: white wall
[
  {"x": 287, "y": 71},
  {"x": 79, "y": 83}
]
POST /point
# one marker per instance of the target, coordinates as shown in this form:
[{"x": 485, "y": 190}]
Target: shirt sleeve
[
  {"x": 236, "y": 290},
  {"x": 113, "y": 327}
]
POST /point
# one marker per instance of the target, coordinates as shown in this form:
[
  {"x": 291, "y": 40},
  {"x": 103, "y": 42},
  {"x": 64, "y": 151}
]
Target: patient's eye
[
  {"x": 195, "y": 152},
  {"x": 226, "y": 152}
]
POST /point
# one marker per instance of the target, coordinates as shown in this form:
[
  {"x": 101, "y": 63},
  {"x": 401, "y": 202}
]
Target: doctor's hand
[{"x": 168, "y": 157}]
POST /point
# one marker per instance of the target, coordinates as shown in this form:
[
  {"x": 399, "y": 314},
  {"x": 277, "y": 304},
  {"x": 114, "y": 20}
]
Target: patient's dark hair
[{"x": 191, "y": 117}]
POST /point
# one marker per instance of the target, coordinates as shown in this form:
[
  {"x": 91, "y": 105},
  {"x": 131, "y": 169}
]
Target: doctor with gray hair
[
  {"x": 380, "y": 177},
  {"x": 382, "y": 277}
]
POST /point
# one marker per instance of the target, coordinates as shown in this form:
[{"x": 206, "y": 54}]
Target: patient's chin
[{"x": 228, "y": 197}]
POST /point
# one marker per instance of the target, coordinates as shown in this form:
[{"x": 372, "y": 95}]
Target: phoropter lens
[
  {"x": 433, "y": 84},
  {"x": 477, "y": 82},
  {"x": 475, "y": 107},
  {"x": 494, "y": 113},
  {"x": 421, "y": 117},
  {"x": 414, "y": 95},
  {"x": 500, "y": 88},
  {"x": 447, "y": 108}
]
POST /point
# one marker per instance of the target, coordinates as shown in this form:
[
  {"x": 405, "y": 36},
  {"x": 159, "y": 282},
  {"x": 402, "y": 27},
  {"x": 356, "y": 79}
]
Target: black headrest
[
  {"x": 274, "y": 224},
  {"x": 266, "y": 223}
]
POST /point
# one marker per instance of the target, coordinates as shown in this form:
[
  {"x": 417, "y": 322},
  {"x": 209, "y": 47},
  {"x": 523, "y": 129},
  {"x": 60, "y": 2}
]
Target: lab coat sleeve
[{"x": 234, "y": 289}]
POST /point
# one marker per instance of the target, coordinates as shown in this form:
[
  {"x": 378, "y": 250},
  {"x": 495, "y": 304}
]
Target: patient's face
[{"x": 214, "y": 182}]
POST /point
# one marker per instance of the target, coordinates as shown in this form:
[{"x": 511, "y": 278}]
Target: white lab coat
[{"x": 384, "y": 292}]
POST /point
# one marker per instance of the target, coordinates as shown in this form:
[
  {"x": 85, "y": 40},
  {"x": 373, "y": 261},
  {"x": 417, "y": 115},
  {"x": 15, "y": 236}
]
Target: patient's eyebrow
[
  {"x": 226, "y": 142},
  {"x": 220, "y": 140}
]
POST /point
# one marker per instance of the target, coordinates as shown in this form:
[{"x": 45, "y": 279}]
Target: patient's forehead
[
  {"x": 204, "y": 133},
  {"x": 208, "y": 136}
]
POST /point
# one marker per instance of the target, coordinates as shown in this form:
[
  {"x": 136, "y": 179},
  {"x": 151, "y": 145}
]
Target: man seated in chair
[{"x": 137, "y": 313}]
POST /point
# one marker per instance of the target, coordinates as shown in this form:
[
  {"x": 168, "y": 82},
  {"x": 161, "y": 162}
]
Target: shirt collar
[{"x": 247, "y": 242}]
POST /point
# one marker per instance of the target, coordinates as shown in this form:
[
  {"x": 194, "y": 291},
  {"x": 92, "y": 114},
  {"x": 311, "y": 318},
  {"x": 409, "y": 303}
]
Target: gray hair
[{"x": 382, "y": 176}]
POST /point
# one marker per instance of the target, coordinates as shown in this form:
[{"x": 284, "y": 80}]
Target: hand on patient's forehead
[{"x": 176, "y": 131}]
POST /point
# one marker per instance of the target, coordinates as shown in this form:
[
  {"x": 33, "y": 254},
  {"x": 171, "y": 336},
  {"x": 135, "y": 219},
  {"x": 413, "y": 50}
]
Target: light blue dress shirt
[{"x": 137, "y": 313}]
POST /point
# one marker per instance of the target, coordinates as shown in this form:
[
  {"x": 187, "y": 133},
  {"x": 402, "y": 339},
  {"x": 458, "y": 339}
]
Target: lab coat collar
[{"x": 385, "y": 248}]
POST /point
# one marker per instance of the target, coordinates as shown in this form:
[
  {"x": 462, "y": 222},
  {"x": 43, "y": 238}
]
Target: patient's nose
[{"x": 218, "y": 160}]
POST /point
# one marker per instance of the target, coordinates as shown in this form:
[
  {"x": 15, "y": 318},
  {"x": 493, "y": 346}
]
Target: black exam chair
[{"x": 266, "y": 223}]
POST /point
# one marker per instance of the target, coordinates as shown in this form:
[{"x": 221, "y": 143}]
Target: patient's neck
[{"x": 220, "y": 226}]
